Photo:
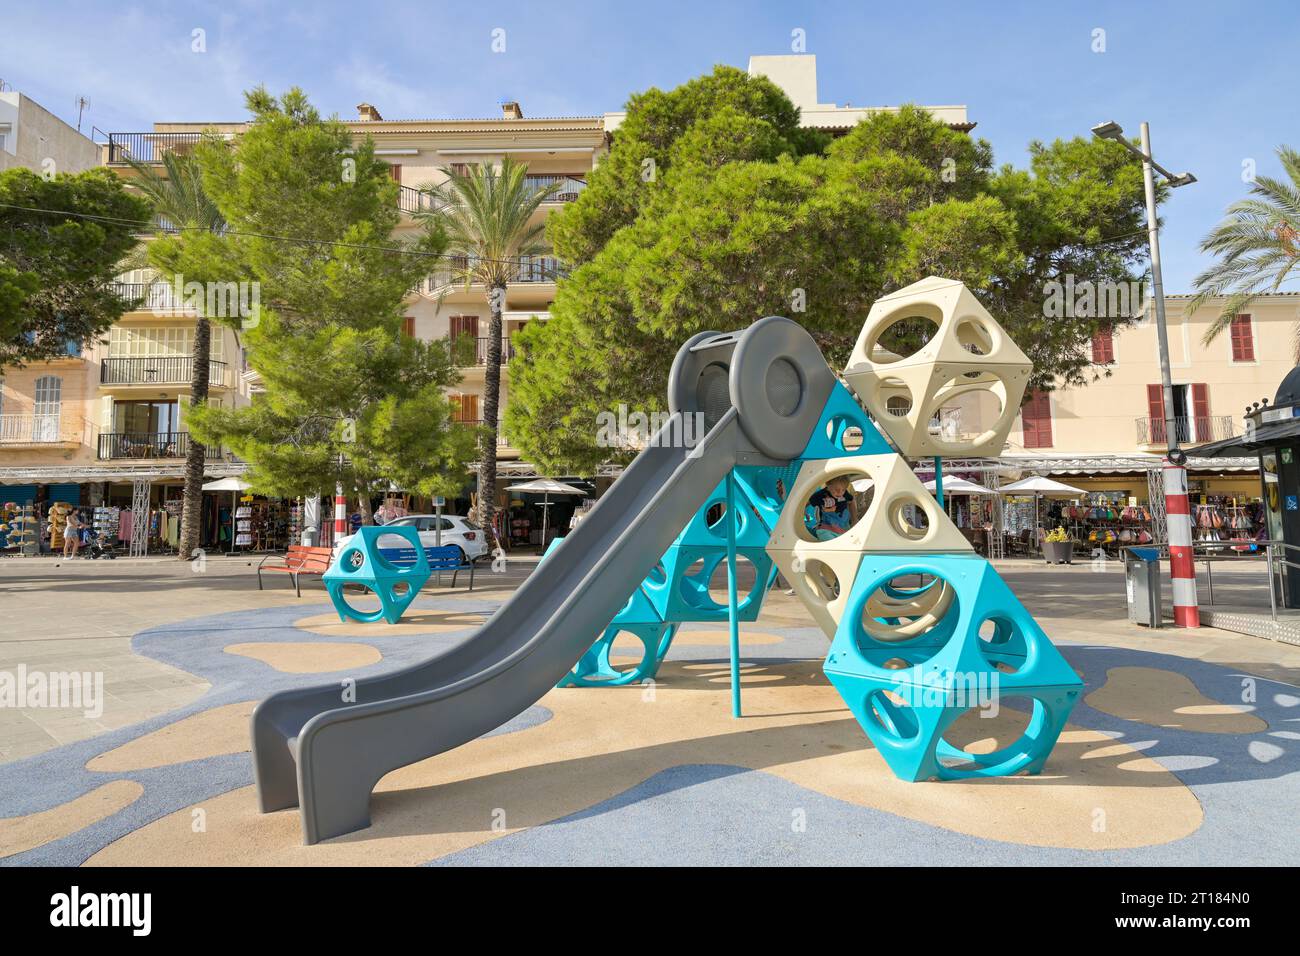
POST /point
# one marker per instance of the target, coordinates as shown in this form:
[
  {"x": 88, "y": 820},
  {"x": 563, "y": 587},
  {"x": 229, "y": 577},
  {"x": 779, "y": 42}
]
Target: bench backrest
[
  {"x": 440, "y": 559},
  {"x": 303, "y": 557}
]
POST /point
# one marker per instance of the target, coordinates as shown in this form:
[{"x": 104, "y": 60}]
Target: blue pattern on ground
[
  {"x": 1246, "y": 783},
  {"x": 57, "y": 776}
]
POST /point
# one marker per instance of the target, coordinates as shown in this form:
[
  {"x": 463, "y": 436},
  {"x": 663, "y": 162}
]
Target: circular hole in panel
[
  {"x": 908, "y": 607},
  {"x": 893, "y": 715},
  {"x": 903, "y": 333},
  {"x": 821, "y": 523},
  {"x": 909, "y": 518},
  {"x": 784, "y": 387}
]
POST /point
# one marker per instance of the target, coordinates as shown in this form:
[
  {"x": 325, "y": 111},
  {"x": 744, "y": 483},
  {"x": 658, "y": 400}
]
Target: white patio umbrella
[
  {"x": 545, "y": 487},
  {"x": 234, "y": 486},
  {"x": 1040, "y": 486},
  {"x": 960, "y": 486}
]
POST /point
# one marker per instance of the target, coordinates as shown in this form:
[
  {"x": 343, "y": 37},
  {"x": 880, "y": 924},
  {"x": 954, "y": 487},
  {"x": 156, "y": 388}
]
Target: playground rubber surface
[{"x": 1166, "y": 760}]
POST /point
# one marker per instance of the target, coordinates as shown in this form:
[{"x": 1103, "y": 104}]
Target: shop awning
[
  {"x": 1265, "y": 436},
  {"x": 79, "y": 474}
]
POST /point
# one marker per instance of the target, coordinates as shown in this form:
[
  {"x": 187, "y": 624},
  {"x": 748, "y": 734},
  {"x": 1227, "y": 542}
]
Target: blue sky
[{"x": 1223, "y": 90}]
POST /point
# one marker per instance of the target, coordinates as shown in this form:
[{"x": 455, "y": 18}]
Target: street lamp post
[
  {"x": 1177, "y": 505},
  {"x": 1113, "y": 131}
]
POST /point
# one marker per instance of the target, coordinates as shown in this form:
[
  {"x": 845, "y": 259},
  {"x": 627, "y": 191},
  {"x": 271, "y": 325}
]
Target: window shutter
[
  {"x": 1243, "y": 339},
  {"x": 1201, "y": 411},
  {"x": 408, "y": 326},
  {"x": 1156, "y": 413},
  {"x": 1036, "y": 420},
  {"x": 395, "y": 170},
  {"x": 1103, "y": 346}
]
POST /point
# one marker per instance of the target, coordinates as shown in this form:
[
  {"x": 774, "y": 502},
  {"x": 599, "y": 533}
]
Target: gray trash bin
[{"x": 1142, "y": 580}]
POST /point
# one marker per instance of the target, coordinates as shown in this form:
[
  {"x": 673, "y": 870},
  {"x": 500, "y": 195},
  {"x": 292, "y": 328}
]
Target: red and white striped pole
[
  {"x": 340, "y": 513},
  {"x": 1182, "y": 568}
]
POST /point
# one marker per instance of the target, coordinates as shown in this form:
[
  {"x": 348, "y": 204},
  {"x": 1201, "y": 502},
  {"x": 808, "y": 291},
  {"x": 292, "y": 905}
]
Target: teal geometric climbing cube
[
  {"x": 911, "y": 656},
  {"x": 362, "y": 563},
  {"x": 678, "y": 586},
  {"x": 638, "y": 618}
]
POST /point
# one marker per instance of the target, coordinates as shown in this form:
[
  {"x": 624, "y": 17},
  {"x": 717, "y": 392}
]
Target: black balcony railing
[
  {"x": 159, "y": 370},
  {"x": 1187, "y": 431},
  {"x": 468, "y": 351},
  {"x": 412, "y": 200},
  {"x": 149, "y": 445},
  {"x": 148, "y": 147}
]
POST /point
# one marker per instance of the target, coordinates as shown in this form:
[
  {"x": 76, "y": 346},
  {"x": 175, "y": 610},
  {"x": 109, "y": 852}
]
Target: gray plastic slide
[{"x": 759, "y": 394}]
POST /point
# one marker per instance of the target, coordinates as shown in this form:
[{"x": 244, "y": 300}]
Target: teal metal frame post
[
  {"x": 938, "y": 479},
  {"x": 733, "y": 608}
]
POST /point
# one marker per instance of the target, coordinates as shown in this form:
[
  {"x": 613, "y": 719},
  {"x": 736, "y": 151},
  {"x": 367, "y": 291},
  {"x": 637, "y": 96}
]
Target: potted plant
[{"x": 1057, "y": 547}]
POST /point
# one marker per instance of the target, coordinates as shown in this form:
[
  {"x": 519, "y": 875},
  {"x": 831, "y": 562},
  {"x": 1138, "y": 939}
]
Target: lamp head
[{"x": 1108, "y": 130}]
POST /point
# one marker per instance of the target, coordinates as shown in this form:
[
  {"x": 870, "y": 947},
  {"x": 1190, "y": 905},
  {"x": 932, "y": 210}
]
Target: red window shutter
[
  {"x": 1156, "y": 413},
  {"x": 1036, "y": 419},
  {"x": 1243, "y": 339},
  {"x": 1201, "y": 411},
  {"x": 395, "y": 170},
  {"x": 408, "y": 325},
  {"x": 1103, "y": 347}
]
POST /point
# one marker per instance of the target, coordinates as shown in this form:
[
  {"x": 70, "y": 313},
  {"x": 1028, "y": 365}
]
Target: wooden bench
[{"x": 298, "y": 560}]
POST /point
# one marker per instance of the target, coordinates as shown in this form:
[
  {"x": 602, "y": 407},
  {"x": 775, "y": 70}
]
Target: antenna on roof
[{"x": 82, "y": 103}]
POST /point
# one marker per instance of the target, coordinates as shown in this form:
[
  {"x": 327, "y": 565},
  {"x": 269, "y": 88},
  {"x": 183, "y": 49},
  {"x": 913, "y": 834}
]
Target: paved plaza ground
[{"x": 1184, "y": 749}]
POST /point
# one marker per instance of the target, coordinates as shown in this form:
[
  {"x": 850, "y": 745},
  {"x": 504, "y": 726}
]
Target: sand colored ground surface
[
  {"x": 211, "y": 733},
  {"x": 36, "y": 829},
  {"x": 598, "y": 744},
  {"x": 1167, "y": 699},
  {"x": 309, "y": 657},
  {"x": 415, "y": 621}
]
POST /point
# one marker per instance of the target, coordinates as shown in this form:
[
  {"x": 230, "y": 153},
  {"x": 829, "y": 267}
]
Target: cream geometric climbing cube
[
  {"x": 822, "y": 572},
  {"x": 969, "y": 358}
]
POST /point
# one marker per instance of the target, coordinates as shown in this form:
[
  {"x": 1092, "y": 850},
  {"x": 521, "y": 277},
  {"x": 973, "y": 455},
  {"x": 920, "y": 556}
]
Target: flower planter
[{"x": 1058, "y": 552}]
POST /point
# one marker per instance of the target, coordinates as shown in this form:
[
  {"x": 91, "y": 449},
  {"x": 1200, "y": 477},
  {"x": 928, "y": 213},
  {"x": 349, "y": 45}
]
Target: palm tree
[
  {"x": 180, "y": 203},
  {"x": 486, "y": 214},
  {"x": 1258, "y": 245}
]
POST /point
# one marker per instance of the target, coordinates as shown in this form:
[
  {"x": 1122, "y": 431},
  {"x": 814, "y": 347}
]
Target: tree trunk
[
  {"x": 363, "y": 505},
  {"x": 487, "y": 446},
  {"x": 196, "y": 454}
]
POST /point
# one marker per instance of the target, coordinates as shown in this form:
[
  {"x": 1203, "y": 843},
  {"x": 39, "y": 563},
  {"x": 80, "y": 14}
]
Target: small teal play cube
[{"x": 361, "y": 562}]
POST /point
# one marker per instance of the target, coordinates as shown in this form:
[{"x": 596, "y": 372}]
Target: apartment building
[
  {"x": 85, "y": 427},
  {"x": 33, "y": 138},
  {"x": 561, "y": 150}
]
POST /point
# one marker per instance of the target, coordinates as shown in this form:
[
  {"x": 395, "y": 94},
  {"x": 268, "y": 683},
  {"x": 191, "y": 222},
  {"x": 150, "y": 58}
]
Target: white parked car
[{"x": 458, "y": 531}]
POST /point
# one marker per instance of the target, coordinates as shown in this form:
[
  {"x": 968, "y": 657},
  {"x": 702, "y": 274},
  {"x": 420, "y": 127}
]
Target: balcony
[
  {"x": 153, "y": 297},
  {"x": 159, "y": 370},
  {"x": 147, "y": 147},
  {"x": 540, "y": 269},
  {"x": 1188, "y": 431},
  {"x": 32, "y": 430},
  {"x": 567, "y": 191},
  {"x": 149, "y": 445},
  {"x": 502, "y": 441},
  {"x": 413, "y": 201},
  {"x": 533, "y": 270},
  {"x": 469, "y": 356}
]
